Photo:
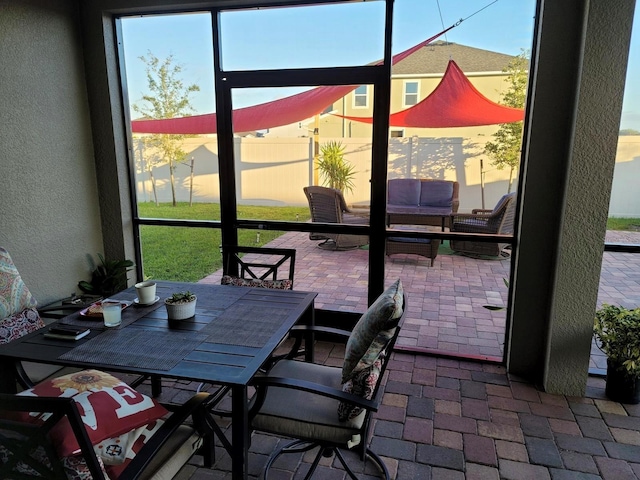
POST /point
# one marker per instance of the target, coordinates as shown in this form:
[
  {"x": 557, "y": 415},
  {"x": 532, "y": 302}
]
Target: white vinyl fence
[{"x": 273, "y": 171}]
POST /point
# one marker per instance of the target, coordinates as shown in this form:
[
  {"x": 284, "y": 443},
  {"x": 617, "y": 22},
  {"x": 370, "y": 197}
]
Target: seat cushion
[
  {"x": 316, "y": 418},
  {"x": 108, "y": 406},
  {"x": 14, "y": 294},
  {"x": 436, "y": 193},
  {"x": 409, "y": 240},
  {"x": 403, "y": 191},
  {"x": 256, "y": 282},
  {"x": 382, "y": 316}
]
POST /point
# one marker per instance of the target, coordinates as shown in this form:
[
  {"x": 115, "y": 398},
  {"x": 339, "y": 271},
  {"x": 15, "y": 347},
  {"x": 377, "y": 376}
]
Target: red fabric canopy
[
  {"x": 455, "y": 102},
  {"x": 257, "y": 117},
  {"x": 266, "y": 115}
]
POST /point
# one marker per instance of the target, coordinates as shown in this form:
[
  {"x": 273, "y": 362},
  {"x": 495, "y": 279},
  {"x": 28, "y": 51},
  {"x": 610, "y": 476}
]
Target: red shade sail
[
  {"x": 258, "y": 117},
  {"x": 266, "y": 115},
  {"x": 455, "y": 102}
]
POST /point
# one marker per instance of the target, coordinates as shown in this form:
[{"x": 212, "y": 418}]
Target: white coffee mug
[{"x": 146, "y": 292}]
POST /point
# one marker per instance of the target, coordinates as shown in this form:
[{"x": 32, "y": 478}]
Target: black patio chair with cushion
[
  {"x": 126, "y": 435},
  {"x": 498, "y": 221},
  {"x": 258, "y": 266},
  {"x": 327, "y": 205},
  {"x": 327, "y": 407}
]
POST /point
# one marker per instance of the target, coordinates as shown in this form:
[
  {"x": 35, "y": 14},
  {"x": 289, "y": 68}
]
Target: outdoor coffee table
[{"x": 234, "y": 331}]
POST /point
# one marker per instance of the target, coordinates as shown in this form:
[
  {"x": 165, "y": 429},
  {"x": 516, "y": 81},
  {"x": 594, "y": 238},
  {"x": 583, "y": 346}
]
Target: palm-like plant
[{"x": 336, "y": 170}]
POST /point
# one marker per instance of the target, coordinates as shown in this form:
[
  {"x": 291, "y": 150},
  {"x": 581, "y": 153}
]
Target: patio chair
[
  {"x": 115, "y": 442},
  {"x": 329, "y": 407},
  {"x": 258, "y": 266},
  {"x": 327, "y": 205},
  {"x": 497, "y": 221},
  {"x": 18, "y": 317}
]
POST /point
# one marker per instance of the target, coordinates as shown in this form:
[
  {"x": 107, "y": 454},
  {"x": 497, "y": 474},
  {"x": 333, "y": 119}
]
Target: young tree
[
  {"x": 168, "y": 97},
  {"x": 505, "y": 149}
]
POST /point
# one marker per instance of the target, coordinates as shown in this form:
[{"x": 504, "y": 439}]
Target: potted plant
[
  {"x": 336, "y": 171},
  {"x": 108, "y": 278},
  {"x": 617, "y": 331},
  {"x": 181, "y": 305}
]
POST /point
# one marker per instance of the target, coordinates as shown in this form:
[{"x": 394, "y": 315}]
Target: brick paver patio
[
  {"x": 446, "y": 312},
  {"x": 444, "y": 418}
]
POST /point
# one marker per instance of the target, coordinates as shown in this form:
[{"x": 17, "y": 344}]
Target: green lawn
[
  {"x": 189, "y": 254},
  {"x": 623, "y": 224}
]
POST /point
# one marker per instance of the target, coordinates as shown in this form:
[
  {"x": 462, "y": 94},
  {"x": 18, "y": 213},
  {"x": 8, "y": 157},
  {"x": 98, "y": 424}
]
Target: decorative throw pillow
[
  {"x": 383, "y": 314},
  {"x": 19, "y": 324},
  {"x": 117, "y": 453},
  {"x": 362, "y": 384},
  {"x": 14, "y": 294},
  {"x": 256, "y": 282},
  {"x": 108, "y": 407}
]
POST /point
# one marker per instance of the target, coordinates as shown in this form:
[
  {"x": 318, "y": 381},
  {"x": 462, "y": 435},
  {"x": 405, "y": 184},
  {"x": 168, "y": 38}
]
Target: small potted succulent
[
  {"x": 617, "y": 332},
  {"x": 181, "y": 305}
]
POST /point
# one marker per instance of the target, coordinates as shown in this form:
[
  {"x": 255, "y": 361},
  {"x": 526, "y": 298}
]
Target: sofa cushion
[
  {"x": 14, "y": 294},
  {"x": 409, "y": 240},
  {"x": 403, "y": 191},
  {"x": 436, "y": 193},
  {"x": 108, "y": 407}
]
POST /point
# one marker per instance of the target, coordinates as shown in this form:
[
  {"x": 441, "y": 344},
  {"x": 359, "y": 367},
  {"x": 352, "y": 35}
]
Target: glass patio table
[{"x": 234, "y": 331}]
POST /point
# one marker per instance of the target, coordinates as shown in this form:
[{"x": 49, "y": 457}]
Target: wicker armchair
[
  {"x": 498, "y": 221},
  {"x": 327, "y": 205}
]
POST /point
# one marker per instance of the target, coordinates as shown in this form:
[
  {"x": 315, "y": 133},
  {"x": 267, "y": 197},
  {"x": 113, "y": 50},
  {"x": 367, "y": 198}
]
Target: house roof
[{"x": 434, "y": 58}]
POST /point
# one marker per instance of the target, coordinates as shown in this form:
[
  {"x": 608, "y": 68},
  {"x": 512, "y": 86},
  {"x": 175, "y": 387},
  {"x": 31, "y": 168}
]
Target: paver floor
[
  {"x": 446, "y": 301},
  {"x": 450, "y": 419}
]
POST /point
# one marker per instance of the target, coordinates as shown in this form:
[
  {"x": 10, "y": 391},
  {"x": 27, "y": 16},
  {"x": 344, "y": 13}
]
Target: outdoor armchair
[
  {"x": 330, "y": 408},
  {"x": 500, "y": 220},
  {"x": 327, "y": 205}
]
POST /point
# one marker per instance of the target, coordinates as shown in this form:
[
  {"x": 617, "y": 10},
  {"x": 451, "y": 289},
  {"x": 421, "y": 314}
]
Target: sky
[{"x": 332, "y": 35}]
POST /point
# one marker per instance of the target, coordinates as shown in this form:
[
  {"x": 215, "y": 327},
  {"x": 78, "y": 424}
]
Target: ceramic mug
[{"x": 146, "y": 292}]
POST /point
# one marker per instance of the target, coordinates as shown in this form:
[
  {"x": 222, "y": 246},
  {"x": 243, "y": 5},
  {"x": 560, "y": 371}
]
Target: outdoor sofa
[{"x": 421, "y": 201}]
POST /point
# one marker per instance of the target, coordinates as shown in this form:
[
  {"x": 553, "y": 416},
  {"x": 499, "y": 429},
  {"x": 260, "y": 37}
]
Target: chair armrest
[
  {"x": 195, "y": 406},
  {"x": 481, "y": 210},
  {"x": 301, "y": 330},
  {"x": 261, "y": 385}
]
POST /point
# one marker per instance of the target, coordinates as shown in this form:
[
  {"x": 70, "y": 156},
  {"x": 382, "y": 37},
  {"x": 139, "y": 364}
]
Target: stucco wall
[{"x": 48, "y": 201}]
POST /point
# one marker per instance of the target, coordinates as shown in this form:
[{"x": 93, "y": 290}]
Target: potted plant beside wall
[
  {"x": 617, "y": 331},
  {"x": 336, "y": 170},
  {"x": 181, "y": 305}
]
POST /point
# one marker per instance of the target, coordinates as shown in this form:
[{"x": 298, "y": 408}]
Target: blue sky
[{"x": 329, "y": 35}]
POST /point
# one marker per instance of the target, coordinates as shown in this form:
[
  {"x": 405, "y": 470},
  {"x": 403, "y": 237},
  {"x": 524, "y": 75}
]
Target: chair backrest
[
  {"x": 259, "y": 263},
  {"x": 325, "y": 204},
  {"x": 503, "y": 215},
  {"x": 27, "y": 448}
]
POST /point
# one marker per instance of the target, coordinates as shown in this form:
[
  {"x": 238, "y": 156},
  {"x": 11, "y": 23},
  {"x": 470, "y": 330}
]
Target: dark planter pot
[{"x": 620, "y": 386}]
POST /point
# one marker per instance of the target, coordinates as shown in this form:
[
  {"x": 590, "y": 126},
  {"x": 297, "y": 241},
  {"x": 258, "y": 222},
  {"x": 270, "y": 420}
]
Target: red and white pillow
[{"x": 108, "y": 407}]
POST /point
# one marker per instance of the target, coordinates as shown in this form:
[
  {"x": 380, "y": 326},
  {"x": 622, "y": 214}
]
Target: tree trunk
[
  {"x": 510, "y": 179},
  {"x": 191, "y": 185},
  {"x": 153, "y": 186},
  {"x": 172, "y": 180}
]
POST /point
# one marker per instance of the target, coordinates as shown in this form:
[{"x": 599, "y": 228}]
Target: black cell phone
[{"x": 66, "y": 330}]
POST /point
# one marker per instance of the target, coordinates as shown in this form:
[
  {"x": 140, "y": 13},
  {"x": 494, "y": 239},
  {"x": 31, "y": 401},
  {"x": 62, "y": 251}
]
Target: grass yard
[
  {"x": 632, "y": 224},
  {"x": 190, "y": 254}
]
